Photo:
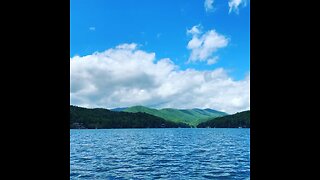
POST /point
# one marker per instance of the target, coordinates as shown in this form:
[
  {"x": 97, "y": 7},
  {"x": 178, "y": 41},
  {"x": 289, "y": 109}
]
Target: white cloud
[
  {"x": 234, "y": 5},
  {"x": 92, "y": 28},
  {"x": 208, "y": 5},
  {"x": 126, "y": 76},
  {"x": 212, "y": 60},
  {"x": 203, "y": 46},
  {"x": 195, "y": 30}
]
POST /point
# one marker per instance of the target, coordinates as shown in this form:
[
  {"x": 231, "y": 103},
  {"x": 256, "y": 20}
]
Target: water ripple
[{"x": 160, "y": 154}]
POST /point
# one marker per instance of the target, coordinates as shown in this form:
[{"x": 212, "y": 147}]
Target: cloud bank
[{"x": 126, "y": 76}]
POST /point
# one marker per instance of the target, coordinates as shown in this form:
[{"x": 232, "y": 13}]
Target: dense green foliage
[
  {"x": 104, "y": 118},
  {"x": 189, "y": 116},
  {"x": 241, "y": 119}
]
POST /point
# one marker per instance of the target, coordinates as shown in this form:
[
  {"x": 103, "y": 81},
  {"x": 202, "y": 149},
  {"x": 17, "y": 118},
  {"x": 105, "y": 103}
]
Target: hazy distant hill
[
  {"x": 104, "y": 118},
  {"x": 190, "y": 116},
  {"x": 241, "y": 119},
  {"x": 118, "y": 109}
]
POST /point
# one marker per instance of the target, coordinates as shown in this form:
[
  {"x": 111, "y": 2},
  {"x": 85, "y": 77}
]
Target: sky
[{"x": 160, "y": 53}]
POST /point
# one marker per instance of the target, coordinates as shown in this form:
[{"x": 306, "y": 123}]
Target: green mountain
[
  {"x": 104, "y": 118},
  {"x": 189, "y": 116},
  {"x": 241, "y": 119}
]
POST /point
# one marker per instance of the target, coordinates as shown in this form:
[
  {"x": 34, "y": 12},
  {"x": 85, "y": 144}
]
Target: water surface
[{"x": 191, "y": 153}]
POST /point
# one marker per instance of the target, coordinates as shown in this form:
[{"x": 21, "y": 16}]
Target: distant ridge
[
  {"x": 119, "y": 109},
  {"x": 189, "y": 116},
  {"x": 97, "y": 118},
  {"x": 238, "y": 120}
]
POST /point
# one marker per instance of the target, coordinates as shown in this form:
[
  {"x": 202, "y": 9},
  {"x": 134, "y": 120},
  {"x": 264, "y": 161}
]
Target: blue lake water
[{"x": 195, "y": 153}]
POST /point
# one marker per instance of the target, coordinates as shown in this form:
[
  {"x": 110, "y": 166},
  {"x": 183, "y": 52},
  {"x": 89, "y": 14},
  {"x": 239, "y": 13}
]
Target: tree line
[
  {"x": 241, "y": 119},
  {"x": 99, "y": 118}
]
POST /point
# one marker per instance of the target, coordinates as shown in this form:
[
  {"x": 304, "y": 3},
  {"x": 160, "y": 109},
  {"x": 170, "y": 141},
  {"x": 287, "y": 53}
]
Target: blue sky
[
  {"x": 160, "y": 26},
  {"x": 160, "y": 53}
]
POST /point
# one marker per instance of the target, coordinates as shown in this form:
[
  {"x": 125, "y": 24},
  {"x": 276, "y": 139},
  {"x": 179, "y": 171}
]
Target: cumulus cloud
[
  {"x": 92, "y": 28},
  {"x": 203, "y": 46},
  {"x": 126, "y": 76},
  {"x": 208, "y": 5},
  {"x": 234, "y": 5}
]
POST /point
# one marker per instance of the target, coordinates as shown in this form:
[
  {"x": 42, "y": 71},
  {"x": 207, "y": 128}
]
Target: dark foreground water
[{"x": 160, "y": 154}]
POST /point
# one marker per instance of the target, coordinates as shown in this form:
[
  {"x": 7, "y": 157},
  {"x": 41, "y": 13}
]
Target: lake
[{"x": 179, "y": 153}]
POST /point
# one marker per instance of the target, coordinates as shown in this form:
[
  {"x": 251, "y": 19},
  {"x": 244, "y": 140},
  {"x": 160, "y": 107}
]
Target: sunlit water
[{"x": 195, "y": 153}]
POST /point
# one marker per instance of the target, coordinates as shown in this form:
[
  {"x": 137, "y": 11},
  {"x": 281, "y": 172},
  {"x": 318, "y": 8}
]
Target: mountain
[
  {"x": 241, "y": 119},
  {"x": 119, "y": 109},
  {"x": 104, "y": 118},
  {"x": 189, "y": 116}
]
